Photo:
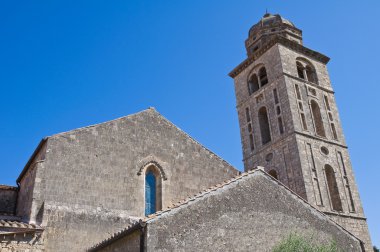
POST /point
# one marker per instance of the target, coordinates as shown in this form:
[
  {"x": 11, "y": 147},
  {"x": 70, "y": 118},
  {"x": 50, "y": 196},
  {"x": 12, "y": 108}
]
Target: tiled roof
[
  {"x": 132, "y": 227},
  {"x": 203, "y": 193},
  {"x": 142, "y": 222},
  {"x": 7, "y": 187},
  {"x": 198, "y": 195},
  {"x": 18, "y": 224}
]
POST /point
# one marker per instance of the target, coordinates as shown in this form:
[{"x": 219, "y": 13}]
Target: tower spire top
[{"x": 266, "y": 13}]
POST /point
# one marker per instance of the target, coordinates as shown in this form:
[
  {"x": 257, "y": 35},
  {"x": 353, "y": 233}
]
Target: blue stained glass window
[{"x": 150, "y": 193}]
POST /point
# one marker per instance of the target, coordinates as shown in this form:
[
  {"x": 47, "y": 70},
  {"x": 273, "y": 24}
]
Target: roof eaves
[
  {"x": 26, "y": 167},
  {"x": 154, "y": 216},
  {"x": 4, "y": 223},
  {"x": 199, "y": 195},
  {"x": 118, "y": 235},
  {"x": 7, "y": 187}
]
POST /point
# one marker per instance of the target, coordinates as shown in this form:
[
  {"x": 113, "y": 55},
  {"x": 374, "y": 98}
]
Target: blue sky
[{"x": 68, "y": 64}]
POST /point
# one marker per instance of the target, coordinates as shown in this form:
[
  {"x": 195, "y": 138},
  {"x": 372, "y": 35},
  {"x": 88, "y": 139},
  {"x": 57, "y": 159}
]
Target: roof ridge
[
  {"x": 197, "y": 142},
  {"x": 117, "y": 235},
  {"x": 142, "y": 222},
  {"x": 97, "y": 124},
  {"x": 199, "y": 194},
  {"x": 7, "y": 187},
  {"x": 232, "y": 180}
]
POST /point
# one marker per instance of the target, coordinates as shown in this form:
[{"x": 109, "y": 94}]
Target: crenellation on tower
[{"x": 289, "y": 121}]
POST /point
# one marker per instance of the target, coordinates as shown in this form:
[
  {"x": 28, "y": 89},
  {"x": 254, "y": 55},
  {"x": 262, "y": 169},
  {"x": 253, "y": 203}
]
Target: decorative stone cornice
[
  {"x": 285, "y": 42},
  {"x": 309, "y": 83}
]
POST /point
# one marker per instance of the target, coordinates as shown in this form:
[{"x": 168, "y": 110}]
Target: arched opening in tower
[
  {"x": 264, "y": 126},
  {"x": 318, "y": 122},
  {"x": 333, "y": 188}
]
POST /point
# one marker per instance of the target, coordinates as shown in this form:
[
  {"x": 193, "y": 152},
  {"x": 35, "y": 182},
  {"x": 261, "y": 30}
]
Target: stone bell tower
[{"x": 289, "y": 122}]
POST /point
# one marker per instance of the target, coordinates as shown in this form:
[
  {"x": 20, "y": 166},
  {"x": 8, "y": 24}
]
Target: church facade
[{"x": 139, "y": 183}]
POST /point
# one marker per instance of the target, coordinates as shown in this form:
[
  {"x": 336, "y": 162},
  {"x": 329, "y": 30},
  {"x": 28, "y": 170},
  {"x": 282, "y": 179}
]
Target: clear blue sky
[{"x": 68, "y": 64}]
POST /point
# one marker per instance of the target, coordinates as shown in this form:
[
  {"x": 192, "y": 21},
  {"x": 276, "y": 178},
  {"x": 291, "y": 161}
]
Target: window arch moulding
[{"x": 150, "y": 160}]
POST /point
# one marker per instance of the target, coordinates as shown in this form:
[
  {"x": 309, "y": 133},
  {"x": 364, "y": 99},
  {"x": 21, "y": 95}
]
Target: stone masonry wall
[
  {"x": 70, "y": 228},
  {"x": 23, "y": 242},
  {"x": 357, "y": 226},
  {"x": 252, "y": 214},
  {"x": 315, "y": 151},
  {"x": 29, "y": 184},
  {"x": 8, "y": 199},
  {"x": 102, "y": 167},
  {"x": 25, "y": 195},
  {"x": 99, "y": 166}
]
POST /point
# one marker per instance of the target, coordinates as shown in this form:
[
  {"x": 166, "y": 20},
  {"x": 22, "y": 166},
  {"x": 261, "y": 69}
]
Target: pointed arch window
[
  {"x": 264, "y": 126},
  {"x": 153, "y": 190},
  {"x": 317, "y": 117},
  {"x": 333, "y": 188}
]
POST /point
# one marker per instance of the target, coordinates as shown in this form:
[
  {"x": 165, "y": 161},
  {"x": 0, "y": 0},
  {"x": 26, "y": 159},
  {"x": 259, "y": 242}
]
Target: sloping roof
[
  {"x": 7, "y": 187},
  {"x": 120, "y": 234},
  {"x": 210, "y": 191},
  {"x": 149, "y": 110},
  {"x": 19, "y": 225}
]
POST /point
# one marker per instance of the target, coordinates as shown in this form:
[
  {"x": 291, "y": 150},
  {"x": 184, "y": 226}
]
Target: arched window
[
  {"x": 318, "y": 122},
  {"x": 152, "y": 190},
  {"x": 300, "y": 69},
  {"x": 263, "y": 76},
  {"x": 264, "y": 125},
  {"x": 306, "y": 70},
  {"x": 273, "y": 173},
  {"x": 253, "y": 84},
  {"x": 333, "y": 188},
  {"x": 310, "y": 73}
]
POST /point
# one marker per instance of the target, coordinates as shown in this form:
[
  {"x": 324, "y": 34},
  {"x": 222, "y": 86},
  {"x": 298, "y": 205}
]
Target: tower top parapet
[{"x": 271, "y": 25}]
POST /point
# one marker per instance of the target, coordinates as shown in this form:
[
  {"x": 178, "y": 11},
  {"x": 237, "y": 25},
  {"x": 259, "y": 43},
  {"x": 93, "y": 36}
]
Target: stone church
[{"x": 139, "y": 183}]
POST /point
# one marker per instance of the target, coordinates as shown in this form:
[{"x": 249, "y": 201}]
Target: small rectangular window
[
  {"x": 247, "y": 114},
  {"x": 300, "y": 106},
  {"x": 327, "y": 103},
  {"x": 275, "y": 96},
  {"x": 298, "y": 92},
  {"x": 278, "y": 110},
  {"x": 334, "y": 131},
  {"x": 249, "y": 128},
  {"x": 304, "y": 125},
  {"x": 251, "y": 143},
  {"x": 280, "y": 126}
]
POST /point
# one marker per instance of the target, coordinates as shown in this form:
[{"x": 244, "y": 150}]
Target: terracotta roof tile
[
  {"x": 117, "y": 235},
  {"x": 18, "y": 224}
]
